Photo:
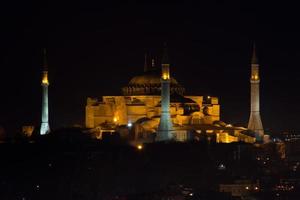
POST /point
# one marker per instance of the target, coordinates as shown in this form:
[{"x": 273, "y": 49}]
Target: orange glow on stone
[
  {"x": 165, "y": 76},
  {"x": 45, "y": 79}
]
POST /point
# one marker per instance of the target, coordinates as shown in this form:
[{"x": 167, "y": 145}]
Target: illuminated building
[
  {"x": 240, "y": 188},
  {"x": 143, "y": 110},
  {"x": 27, "y": 130},
  {"x": 45, "y": 128},
  {"x": 255, "y": 123}
]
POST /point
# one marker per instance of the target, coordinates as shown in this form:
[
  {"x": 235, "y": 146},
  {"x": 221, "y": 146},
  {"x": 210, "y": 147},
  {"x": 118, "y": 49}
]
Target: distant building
[
  {"x": 139, "y": 108},
  {"x": 287, "y": 184},
  {"x": 240, "y": 188},
  {"x": 27, "y": 130}
]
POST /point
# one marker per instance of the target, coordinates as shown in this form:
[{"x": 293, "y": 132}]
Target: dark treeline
[{"x": 68, "y": 164}]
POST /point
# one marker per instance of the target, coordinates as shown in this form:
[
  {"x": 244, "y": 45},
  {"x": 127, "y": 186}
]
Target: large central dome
[
  {"x": 149, "y": 78},
  {"x": 149, "y": 83}
]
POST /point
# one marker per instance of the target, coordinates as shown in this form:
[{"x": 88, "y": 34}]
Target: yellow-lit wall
[
  {"x": 181, "y": 135},
  {"x": 224, "y": 137},
  {"x": 89, "y": 116},
  {"x": 123, "y": 109},
  {"x": 244, "y": 138},
  {"x": 27, "y": 130}
]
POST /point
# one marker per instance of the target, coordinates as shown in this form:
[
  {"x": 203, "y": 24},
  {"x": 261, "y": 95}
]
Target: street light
[{"x": 139, "y": 147}]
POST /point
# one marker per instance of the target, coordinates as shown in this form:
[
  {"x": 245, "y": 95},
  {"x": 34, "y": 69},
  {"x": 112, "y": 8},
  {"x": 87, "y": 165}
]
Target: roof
[
  {"x": 207, "y": 127},
  {"x": 179, "y": 98},
  {"x": 149, "y": 78}
]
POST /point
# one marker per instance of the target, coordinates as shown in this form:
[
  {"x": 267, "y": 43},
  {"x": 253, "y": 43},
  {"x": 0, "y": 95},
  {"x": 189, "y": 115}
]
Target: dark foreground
[{"x": 106, "y": 170}]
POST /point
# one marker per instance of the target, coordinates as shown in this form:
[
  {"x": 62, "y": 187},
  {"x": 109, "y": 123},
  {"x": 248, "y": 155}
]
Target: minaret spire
[
  {"x": 254, "y": 59},
  {"x": 152, "y": 63},
  {"x": 45, "y": 128},
  {"x": 165, "y": 128},
  {"x": 165, "y": 58},
  {"x": 146, "y": 68},
  {"x": 255, "y": 123},
  {"x": 165, "y": 64},
  {"x": 45, "y": 63}
]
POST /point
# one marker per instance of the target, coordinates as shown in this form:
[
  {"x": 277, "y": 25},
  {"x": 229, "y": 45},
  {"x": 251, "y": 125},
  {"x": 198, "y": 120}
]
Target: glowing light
[
  {"x": 221, "y": 167},
  {"x": 191, "y": 194},
  {"x": 255, "y": 188},
  {"x": 115, "y": 119},
  {"x": 247, "y": 188},
  {"x": 45, "y": 79},
  {"x": 139, "y": 147},
  {"x": 165, "y": 76},
  {"x": 129, "y": 124},
  {"x": 208, "y": 97},
  {"x": 255, "y": 77}
]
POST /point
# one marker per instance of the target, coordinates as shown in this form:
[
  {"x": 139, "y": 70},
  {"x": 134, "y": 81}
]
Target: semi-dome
[{"x": 149, "y": 83}]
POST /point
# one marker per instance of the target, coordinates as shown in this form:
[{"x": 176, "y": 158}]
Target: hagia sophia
[{"x": 154, "y": 105}]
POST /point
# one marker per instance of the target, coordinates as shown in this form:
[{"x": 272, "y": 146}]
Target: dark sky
[{"x": 94, "y": 49}]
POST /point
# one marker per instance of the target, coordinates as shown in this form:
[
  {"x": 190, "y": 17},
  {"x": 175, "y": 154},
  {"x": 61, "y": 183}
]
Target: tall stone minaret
[
  {"x": 255, "y": 123},
  {"x": 45, "y": 83},
  {"x": 165, "y": 128}
]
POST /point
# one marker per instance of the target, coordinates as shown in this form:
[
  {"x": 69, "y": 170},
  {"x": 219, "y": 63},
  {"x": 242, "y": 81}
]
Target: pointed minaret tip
[
  {"x": 254, "y": 59},
  {"x": 45, "y": 63},
  {"x": 146, "y": 63},
  {"x": 165, "y": 58}
]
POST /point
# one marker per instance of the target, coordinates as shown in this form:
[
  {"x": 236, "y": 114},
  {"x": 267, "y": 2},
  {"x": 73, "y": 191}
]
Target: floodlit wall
[{"x": 124, "y": 109}]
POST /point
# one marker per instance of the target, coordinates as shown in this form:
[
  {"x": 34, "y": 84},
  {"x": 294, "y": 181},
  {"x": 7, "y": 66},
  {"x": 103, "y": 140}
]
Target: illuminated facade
[
  {"x": 240, "y": 188},
  {"x": 143, "y": 110},
  {"x": 255, "y": 123},
  {"x": 27, "y": 130},
  {"x": 45, "y": 128}
]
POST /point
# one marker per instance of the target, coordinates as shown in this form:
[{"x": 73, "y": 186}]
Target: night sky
[{"x": 94, "y": 49}]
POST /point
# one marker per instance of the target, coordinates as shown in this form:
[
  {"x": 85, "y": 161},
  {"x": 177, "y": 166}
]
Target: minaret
[
  {"x": 45, "y": 83},
  {"x": 164, "y": 132},
  {"x": 146, "y": 68},
  {"x": 255, "y": 123},
  {"x": 152, "y": 63}
]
